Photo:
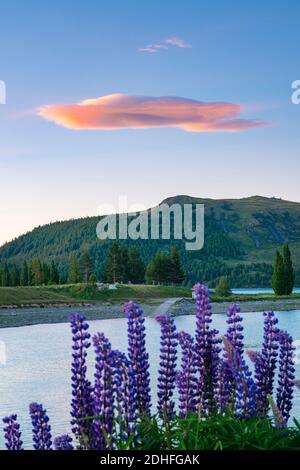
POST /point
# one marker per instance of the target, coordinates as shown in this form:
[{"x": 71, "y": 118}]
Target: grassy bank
[
  {"x": 72, "y": 294},
  {"x": 79, "y": 293}
]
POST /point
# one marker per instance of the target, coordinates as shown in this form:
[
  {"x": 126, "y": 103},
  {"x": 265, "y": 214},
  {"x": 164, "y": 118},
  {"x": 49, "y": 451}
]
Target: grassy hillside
[{"x": 241, "y": 236}]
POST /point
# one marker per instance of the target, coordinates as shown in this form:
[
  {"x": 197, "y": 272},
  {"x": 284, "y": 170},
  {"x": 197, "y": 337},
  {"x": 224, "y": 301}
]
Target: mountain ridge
[{"x": 240, "y": 235}]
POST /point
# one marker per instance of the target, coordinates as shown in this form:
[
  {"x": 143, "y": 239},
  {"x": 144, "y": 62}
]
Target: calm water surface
[
  {"x": 38, "y": 362},
  {"x": 260, "y": 291}
]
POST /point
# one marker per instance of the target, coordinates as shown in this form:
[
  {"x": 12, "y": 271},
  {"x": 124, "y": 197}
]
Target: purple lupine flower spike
[
  {"x": 207, "y": 350},
  {"x": 167, "y": 366},
  {"x": 238, "y": 387},
  {"x": 235, "y": 329},
  {"x": 124, "y": 390},
  {"x": 12, "y": 433},
  {"x": 40, "y": 427},
  {"x": 265, "y": 363},
  {"x": 286, "y": 377},
  {"x": 233, "y": 352},
  {"x": 103, "y": 393},
  {"x": 245, "y": 391},
  {"x": 215, "y": 349},
  {"x": 138, "y": 356},
  {"x": 63, "y": 442},
  {"x": 186, "y": 377},
  {"x": 82, "y": 399},
  {"x": 224, "y": 384}
]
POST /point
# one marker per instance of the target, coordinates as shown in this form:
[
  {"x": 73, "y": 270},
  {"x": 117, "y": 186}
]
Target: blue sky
[{"x": 63, "y": 52}]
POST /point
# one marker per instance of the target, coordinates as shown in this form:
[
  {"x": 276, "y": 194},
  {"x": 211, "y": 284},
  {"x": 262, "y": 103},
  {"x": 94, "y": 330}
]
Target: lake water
[
  {"x": 260, "y": 291},
  {"x": 38, "y": 362}
]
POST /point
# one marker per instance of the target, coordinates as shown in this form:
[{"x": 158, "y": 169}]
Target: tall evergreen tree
[
  {"x": 5, "y": 275},
  {"x": 46, "y": 273},
  {"x": 24, "y": 277},
  {"x": 136, "y": 267},
  {"x": 15, "y": 276},
  {"x": 278, "y": 278},
  {"x": 160, "y": 268},
  {"x": 86, "y": 266},
  {"x": 54, "y": 276},
  {"x": 289, "y": 277},
  {"x": 116, "y": 264},
  {"x": 177, "y": 269},
  {"x": 124, "y": 264},
  {"x": 74, "y": 271},
  {"x": 93, "y": 279},
  {"x": 223, "y": 287},
  {"x": 36, "y": 272}
]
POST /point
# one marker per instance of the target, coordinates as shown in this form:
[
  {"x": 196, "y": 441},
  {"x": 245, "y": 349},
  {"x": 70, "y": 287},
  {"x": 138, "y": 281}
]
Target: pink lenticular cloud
[{"x": 121, "y": 111}]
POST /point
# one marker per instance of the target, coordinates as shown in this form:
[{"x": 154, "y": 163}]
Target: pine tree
[
  {"x": 289, "y": 276},
  {"x": 46, "y": 273},
  {"x": 74, "y": 271},
  {"x": 178, "y": 275},
  {"x": 278, "y": 278},
  {"x": 123, "y": 264},
  {"x": 36, "y": 272},
  {"x": 24, "y": 278},
  {"x": 223, "y": 287},
  {"x": 116, "y": 264},
  {"x": 160, "y": 268},
  {"x": 5, "y": 275},
  {"x": 54, "y": 276},
  {"x": 136, "y": 267},
  {"x": 86, "y": 266},
  {"x": 15, "y": 276},
  {"x": 93, "y": 279}
]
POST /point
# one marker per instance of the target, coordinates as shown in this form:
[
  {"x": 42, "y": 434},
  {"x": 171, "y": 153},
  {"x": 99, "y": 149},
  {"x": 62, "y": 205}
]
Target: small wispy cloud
[
  {"x": 152, "y": 48},
  {"x": 166, "y": 44},
  {"x": 178, "y": 43}
]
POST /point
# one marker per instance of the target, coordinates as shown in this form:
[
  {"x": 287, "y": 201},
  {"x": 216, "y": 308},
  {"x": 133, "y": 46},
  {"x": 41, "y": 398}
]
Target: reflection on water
[{"x": 38, "y": 362}]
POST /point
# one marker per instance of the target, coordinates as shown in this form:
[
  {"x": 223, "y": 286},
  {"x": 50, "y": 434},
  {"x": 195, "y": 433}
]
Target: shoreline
[
  {"x": 46, "y": 305},
  {"x": 27, "y": 316},
  {"x": 187, "y": 306},
  {"x": 35, "y": 314}
]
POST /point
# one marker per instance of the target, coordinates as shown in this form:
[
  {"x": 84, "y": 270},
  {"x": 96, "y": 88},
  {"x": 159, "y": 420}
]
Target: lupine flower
[
  {"x": 82, "y": 400},
  {"x": 245, "y": 391},
  {"x": 186, "y": 377},
  {"x": 224, "y": 385},
  {"x": 235, "y": 329},
  {"x": 63, "y": 442},
  {"x": 265, "y": 363},
  {"x": 233, "y": 352},
  {"x": 206, "y": 383},
  {"x": 138, "y": 357},
  {"x": 207, "y": 350},
  {"x": 286, "y": 377},
  {"x": 12, "y": 433},
  {"x": 40, "y": 427},
  {"x": 238, "y": 389},
  {"x": 124, "y": 390},
  {"x": 167, "y": 366},
  {"x": 103, "y": 393}
]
